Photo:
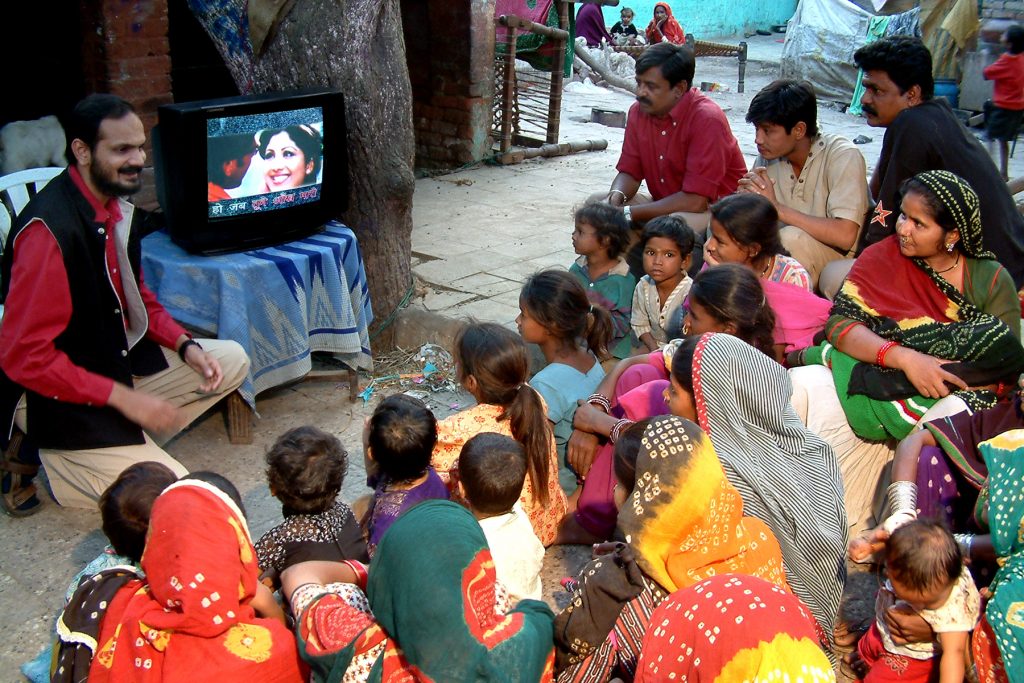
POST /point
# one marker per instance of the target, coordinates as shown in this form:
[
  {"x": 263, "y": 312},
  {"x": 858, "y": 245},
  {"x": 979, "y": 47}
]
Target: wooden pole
[
  {"x": 558, "y": 74},
  {"x": 508, "y": 92},
  {"x": 512, "y": 21},
  {"x": 552, "y": 150}
]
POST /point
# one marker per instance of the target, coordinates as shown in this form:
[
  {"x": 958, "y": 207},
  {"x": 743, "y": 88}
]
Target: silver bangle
[
  {"x": 627, "y": 211},
  {"x": 611, "y": 192}
]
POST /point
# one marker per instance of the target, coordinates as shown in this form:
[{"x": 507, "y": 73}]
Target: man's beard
[{"x": 109, "y": 183}]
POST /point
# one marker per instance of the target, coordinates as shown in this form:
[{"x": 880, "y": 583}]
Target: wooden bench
[{"x": 703, "y": 48}]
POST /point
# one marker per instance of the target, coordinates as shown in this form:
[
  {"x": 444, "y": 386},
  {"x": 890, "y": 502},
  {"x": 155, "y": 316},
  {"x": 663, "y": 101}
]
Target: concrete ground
[{"x": 477, "y": 233}]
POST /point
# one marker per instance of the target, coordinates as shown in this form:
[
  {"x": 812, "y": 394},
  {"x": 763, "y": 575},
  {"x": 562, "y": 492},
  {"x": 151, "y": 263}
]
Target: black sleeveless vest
[{"x": 95, "y": 338}]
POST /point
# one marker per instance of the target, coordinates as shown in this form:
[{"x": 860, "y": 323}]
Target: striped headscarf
[
  {"x": 788, "y": 476},
  {"x": 963, "y": 205}
]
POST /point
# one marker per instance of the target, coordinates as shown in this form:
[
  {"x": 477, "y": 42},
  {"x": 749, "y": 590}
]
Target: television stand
[{"x": 281, "y": 303}]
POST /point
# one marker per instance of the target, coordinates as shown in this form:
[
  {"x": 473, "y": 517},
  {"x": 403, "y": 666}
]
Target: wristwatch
[{"x": 627, "y": 211}]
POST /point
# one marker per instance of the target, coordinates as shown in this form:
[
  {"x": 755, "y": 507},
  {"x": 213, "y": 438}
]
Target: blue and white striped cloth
[{"x": 280, "y": 303}]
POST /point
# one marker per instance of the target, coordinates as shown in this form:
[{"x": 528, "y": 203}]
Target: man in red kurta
[{"x": 677, "y": 141}]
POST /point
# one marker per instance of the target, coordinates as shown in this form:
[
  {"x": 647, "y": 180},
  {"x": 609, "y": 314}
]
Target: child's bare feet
[{"x": 856, "y": 665}]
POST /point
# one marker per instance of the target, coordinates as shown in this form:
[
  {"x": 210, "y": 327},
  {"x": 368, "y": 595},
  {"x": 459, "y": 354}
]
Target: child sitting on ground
[
  {"x": 124, "y": 511},
  {"x": 305, "y": 470},
  {"x": 493, "y": 366},
  {"x": 668, "y": 243},
  {"x": 555, "y": 314},
  {"x": 926, "y": 573},
  {"x": 400, "y": 438},
  {"x": 492, "y": 469},
  {"x": 600, "y": 236}
]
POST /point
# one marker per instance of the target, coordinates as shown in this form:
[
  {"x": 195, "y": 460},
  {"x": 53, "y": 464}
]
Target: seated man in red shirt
[
  {"x": 680, "y": 143},
  {"x": 92, "y": 368}
]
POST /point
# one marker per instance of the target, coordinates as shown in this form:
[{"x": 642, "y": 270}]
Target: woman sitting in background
[{"x": 663, "y": 27}]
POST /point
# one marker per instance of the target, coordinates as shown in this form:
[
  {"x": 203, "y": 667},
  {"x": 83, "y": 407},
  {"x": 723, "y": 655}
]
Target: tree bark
[{"x": 355, "y": 46}]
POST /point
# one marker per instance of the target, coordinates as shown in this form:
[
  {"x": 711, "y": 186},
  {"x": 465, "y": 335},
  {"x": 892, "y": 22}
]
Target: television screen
[{"x": 250, "y": 171}]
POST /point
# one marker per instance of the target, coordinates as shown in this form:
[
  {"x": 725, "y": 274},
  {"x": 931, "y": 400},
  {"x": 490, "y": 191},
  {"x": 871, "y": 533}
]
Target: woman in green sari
[
  {"x": 927, "y": 324},
  {"x": 432, "y": 610}
]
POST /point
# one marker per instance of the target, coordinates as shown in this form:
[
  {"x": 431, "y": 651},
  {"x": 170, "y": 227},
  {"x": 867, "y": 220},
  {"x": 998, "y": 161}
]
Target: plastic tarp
[
  {"x": 823, "y": 35},
  {"x": 820, "y": 41}
]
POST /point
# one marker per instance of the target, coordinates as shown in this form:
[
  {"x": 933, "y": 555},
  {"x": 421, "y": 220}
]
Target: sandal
[{"x": 17, "y": 492}]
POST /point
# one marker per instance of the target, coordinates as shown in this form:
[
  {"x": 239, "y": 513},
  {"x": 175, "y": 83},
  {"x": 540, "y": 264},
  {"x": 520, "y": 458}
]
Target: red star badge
[{"x": 881, "y": 215}]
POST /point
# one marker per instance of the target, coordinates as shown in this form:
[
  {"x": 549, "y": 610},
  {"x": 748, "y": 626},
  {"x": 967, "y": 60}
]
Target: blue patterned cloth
[{"x": 280, "y": 303}]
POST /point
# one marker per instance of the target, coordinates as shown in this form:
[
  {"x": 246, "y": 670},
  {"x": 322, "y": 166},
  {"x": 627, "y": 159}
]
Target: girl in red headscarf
[{"x": 663, "y": 27}]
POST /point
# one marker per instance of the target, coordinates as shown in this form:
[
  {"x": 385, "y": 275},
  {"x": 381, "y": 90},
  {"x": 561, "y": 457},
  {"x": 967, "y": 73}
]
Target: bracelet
[
  {"x": 965, "y": 542},
  {"x": 601, "y": 401},
  {"x": 611, "y": 192},
  {"x": 184, "y": 347},
  {"x": 627, "y": 211},
  {"x": 362, "y": 575},
  {"x": 613, "y": 435},
  {"x": 882, "y": 350}
]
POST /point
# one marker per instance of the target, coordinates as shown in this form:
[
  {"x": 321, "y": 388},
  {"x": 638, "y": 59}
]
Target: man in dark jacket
[{"x": 94, "y": 370}]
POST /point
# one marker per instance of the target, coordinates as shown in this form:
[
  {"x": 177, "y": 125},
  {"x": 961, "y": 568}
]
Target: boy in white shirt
[{"x": 492, "y": 469}]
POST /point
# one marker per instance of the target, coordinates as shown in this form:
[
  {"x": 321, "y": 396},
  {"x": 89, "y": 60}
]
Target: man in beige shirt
[{"x": 817, "y": 182}]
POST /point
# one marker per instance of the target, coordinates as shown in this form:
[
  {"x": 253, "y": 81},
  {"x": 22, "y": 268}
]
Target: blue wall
[{"x": 711, "y": 18}]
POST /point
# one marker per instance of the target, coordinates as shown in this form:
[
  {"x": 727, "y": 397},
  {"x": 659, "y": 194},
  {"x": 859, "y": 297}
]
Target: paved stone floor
[{"x": 477, "y": 233}]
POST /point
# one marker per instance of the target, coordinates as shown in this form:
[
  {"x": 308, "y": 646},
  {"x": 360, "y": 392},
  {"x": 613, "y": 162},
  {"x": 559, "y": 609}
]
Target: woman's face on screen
[{"x": 286, "y": 165}]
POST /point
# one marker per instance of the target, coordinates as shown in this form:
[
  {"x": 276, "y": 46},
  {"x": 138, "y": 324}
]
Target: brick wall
[
  {"x": 1002, "y": 9},
  {"x": 450, "y": 50},
  {"x": 127, "y": 53}
]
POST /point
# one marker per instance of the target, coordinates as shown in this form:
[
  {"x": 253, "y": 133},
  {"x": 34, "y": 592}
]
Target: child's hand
[
  {"x": 863, "y": 547},
  {"x": 580, "y": 452}
]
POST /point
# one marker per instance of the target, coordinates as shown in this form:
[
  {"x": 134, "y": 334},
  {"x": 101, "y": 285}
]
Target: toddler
[
  {"x": 668, "y": 243},
  {"x": 305, "y": 470},
  {"x": 600, "y": 236},
  {"x": 400, "y": 439},
  {"x": 926, "y": 574},
  {"x": 624, "y": 31},
  {"x": 492, "y": 469}
]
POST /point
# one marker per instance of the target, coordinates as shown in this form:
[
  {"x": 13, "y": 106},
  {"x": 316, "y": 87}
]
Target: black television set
[{"x": 243, "y": 172}]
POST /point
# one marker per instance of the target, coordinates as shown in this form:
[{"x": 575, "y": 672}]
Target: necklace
[
  {"x": 764, "y": 271},
  {"x": 956, "y": 262}
]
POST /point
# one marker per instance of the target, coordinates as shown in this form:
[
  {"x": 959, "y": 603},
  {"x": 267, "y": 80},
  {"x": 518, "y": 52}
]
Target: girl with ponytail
[
  {"x": 493, "y": 366},
  {"x": 573, "y": 335}
]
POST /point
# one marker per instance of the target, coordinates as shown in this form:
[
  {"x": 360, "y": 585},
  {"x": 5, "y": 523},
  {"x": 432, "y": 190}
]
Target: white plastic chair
[{"x": 16, "y": 189}]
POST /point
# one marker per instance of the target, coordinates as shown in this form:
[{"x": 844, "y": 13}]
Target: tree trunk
[{"x": 355, "y": 46}]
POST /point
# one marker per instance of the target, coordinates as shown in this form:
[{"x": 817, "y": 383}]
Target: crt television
[{"x": 250, "y": 171}]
